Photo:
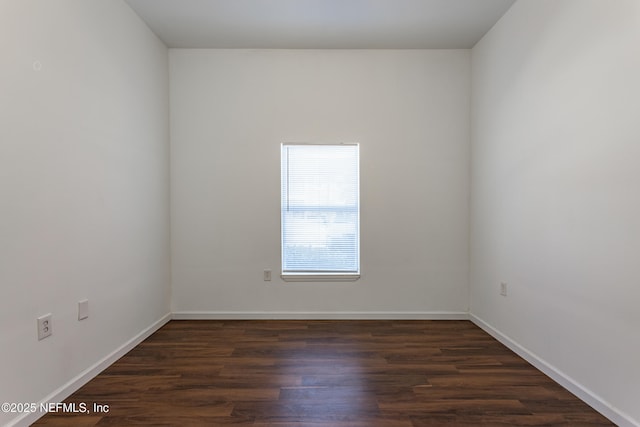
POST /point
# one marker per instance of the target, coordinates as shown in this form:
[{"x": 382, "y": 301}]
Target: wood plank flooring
[{"x": 324, "y": 373}]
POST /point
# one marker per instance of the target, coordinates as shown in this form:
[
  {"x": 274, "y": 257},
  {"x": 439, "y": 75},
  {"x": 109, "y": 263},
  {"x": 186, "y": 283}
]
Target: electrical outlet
[
  {"x": 267, "y": 275},
  {"x": 83, "y": 309},
  {"x": 45, "y": 327},
  {"x": 503, "y": 289}
]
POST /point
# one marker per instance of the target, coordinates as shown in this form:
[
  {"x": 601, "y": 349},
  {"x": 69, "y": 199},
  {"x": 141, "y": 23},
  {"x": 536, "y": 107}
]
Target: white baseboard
[
  {"x": 87, "y": 375},
  {"x": 321, "y": 315},
  {"x": 590, "y": 398}
]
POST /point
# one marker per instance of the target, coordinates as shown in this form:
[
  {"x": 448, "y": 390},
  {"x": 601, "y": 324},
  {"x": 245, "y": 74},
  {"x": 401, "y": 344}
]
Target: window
[{"x": 320, "y": 212}]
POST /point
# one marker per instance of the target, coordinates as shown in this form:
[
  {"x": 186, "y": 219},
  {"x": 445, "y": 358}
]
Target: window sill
[{"x": 319, "y": 277}]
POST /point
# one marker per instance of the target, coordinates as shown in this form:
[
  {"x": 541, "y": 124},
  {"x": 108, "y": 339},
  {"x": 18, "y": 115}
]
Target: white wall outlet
[
  {"x": 267, "y": 275},
  {"x": 45, "y": 327},
  {"x": 83, "y": 309},
  {"x": 503, "y": 289}
]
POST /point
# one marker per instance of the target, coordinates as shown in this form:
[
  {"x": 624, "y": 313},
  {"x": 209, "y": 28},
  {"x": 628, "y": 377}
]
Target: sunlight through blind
[{"x": 320, "y": 209}]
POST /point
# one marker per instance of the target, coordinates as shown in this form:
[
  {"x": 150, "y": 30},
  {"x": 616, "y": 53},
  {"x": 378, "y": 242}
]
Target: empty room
[{"x": 348, "y": 213}]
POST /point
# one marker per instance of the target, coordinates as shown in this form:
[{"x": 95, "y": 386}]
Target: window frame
[{"x": 319, "y": 276}]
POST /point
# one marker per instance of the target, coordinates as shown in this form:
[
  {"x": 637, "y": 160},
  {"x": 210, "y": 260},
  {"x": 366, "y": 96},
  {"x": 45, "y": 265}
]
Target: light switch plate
[{"x": 83, "y": 309}]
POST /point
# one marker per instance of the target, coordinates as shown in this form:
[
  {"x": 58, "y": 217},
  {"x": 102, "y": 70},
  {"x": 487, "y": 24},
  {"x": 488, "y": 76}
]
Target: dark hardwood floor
[{"x": 324, "y": 373}]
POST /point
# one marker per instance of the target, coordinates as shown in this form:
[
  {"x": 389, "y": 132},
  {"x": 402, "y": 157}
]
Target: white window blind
[{"x": 320, "y": 209}]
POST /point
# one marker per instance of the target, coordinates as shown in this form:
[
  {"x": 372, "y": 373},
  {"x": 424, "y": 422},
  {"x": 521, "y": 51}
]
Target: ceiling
[{"x": 320, "y": 24}]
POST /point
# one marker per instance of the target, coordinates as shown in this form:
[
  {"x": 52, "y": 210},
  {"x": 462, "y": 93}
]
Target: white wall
[
  {"x": 555, "y": 196},
  {"x": 230, "y": 110},
  {"x": 83, "y": 187}
]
